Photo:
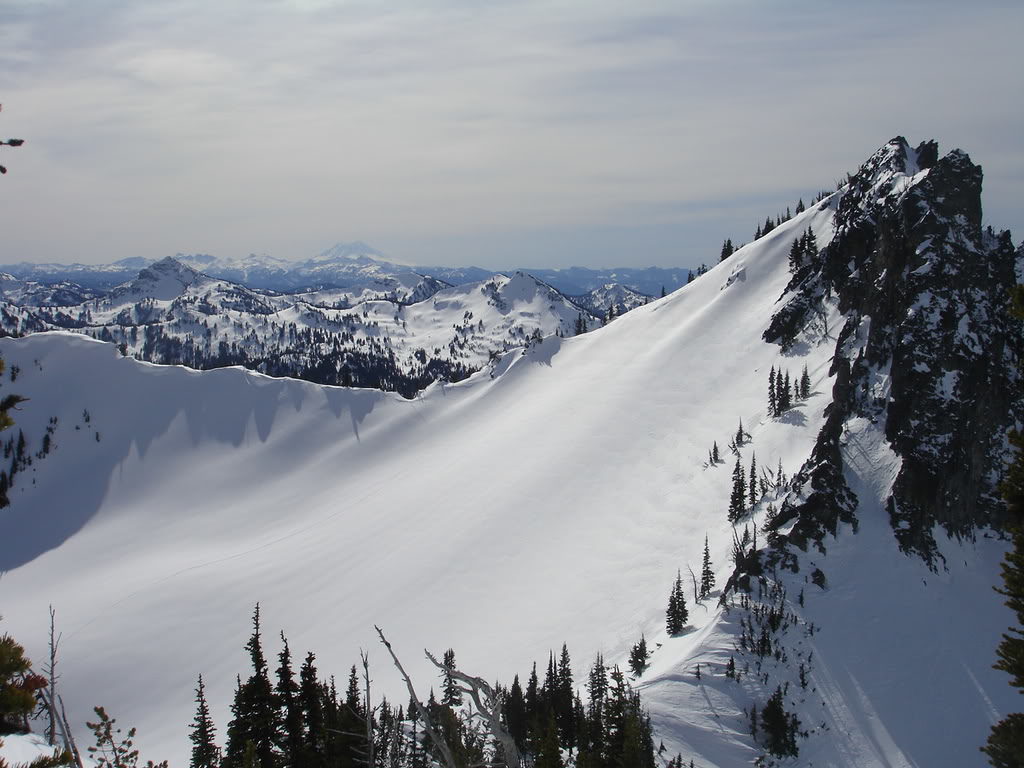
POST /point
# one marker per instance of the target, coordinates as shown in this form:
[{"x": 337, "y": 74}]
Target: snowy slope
[{"x": 551, "y": 498}]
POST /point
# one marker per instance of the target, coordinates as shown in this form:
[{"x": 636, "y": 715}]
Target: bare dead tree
[
  {"x": 488, "y": 705},
  {"x": 696, "y": 592},
  {"x": 428, "y": 724},
  {"x": 365, "y": 657},
  {"x": 51, "y": 675},
  {"x": 67, "y": 737}
]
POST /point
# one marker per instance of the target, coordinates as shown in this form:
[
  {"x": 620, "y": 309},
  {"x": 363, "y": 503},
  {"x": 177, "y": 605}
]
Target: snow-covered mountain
[
  {"x": 173, "y": 314},
  {"x": 554, "y": 496},
  {"x": 609, "y": 295},
  {"x": 33, "y": 294},
  {"x": 357, "y": 271}
]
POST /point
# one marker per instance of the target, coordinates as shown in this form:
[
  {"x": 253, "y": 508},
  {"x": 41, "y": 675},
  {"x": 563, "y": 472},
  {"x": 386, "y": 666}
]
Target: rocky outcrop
[{"x": 928, "y": 346}]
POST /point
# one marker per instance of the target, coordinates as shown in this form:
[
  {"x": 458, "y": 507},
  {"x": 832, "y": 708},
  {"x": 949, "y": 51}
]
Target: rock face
[{"x": 927, "y": 346}]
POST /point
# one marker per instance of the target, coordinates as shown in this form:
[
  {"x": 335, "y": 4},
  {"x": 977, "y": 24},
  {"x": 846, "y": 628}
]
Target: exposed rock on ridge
[{"x": 928, "y": 346}]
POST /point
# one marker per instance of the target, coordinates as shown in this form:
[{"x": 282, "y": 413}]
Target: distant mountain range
[{"x": 354, "y": 266}]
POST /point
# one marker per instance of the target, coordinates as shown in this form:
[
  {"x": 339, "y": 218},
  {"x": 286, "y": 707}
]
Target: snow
[
  {"x": 548, "y": 499},
  {"x": 22, "y": 748}
]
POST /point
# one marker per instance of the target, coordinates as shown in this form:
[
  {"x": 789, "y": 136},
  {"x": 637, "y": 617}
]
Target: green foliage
[
  {"x": 779, "y": 728},
  {"x": 205, "y": 753},
  {"x": 638, "y": 657},
  {"x": 676, "y": 615},
  {"x": 17, "y": 685},
  {"x": 1005, "y": 747},
  {"x": 738, "y": 497},
  {"x": 254, "y": 710},
  {"x": 707, "y": 574},
  {"x": 111, "y": 749}
]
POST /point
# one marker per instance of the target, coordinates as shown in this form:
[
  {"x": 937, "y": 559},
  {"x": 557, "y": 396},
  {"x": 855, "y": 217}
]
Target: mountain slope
[{"x": 549, "y": 498}]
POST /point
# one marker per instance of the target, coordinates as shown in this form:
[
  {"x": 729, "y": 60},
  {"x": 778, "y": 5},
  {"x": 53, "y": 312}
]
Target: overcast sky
[{"x": 477, "y": 132}]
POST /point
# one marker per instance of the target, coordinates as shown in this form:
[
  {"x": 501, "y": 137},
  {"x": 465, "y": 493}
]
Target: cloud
[{"x": 285, "y": 126}]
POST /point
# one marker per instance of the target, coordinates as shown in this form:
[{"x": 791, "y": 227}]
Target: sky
[{"x": 492, "y": 132}]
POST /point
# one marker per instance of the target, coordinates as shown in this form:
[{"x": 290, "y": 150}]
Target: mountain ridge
[{"x": 508, "y": 511}]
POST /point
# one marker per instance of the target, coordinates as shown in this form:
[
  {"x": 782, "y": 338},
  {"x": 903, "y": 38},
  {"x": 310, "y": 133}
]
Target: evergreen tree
[
  {"x": 549, "y": 753},
  {"x": 773, "y": 401},
  {"x": 805, "y": 384},
  {"x": 311, "y": 702},
  {"x": 677, "y": 613},
  {"x": 741, "y": 436},
  {"x": 707, "y": 575},
  {"x": 784, "y": 396},
  {"x": 663, "y": 287},
  {"x": 779, "y": 728},
  {"x": 727, "y": 250},
  {"x": 638, "y": 657},
  {"x": 796, "y": 256},
  {"x": 810, "y": 244},
  {"x": 290, "y": 740},
  {"x": 715, "y": 457},
  {"x": 565, "y": 713},
  {"x": 17, "y": 696},
  {"x": 800, "y": 208},
  {"x": 753, "y": 480},
  {"x": 205, "y": 753},
  {"x": 451, "y": 696},
  {"x": 594, "y": 737},
  {"x": 1005, "y": 746},
  {"x": 254, "y": 711},
  {"x": 515, "y": 713},
  {"x": 738, "y": 497}
]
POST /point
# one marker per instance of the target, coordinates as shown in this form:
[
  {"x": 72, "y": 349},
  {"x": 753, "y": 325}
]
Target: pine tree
[
  {"x": 715, "y": 457},
  {"x": 311, "y": 702},
  {"x": 638, "y": 657},
  {"x": 779, "y": 727},
  {"x": 785, "y": 394},
  {"x": 727, "y": 250},
  {"x": 565, "y": 713},
  {"x": 451, "y": 696},
  {"x": 741, "y": 436},
  {"x": 738, "y": 498},
  {"x": 110, "y": 750},
  {"x": 810, "y": 244},
  {"x": 515, "y": 713},
  {"x": 205, "y": 753},
  {"x": 254, "y": 711},
  {"x": 796, "y": 256},
  {"x": 773, "y": 402},
  {"x": 1005, "y": 746},
  {"x": 800, "y": 207},
  {"x": 707, "y": 575},
  {"x": 805, "y": 384},
  {"x": 753, "y": 480},
  {"x": 16, "y": 699},
  {"x": 549, "y": 754},
  {"x": 677, "y": 614},
  {"x": 287, "y": 692}
]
